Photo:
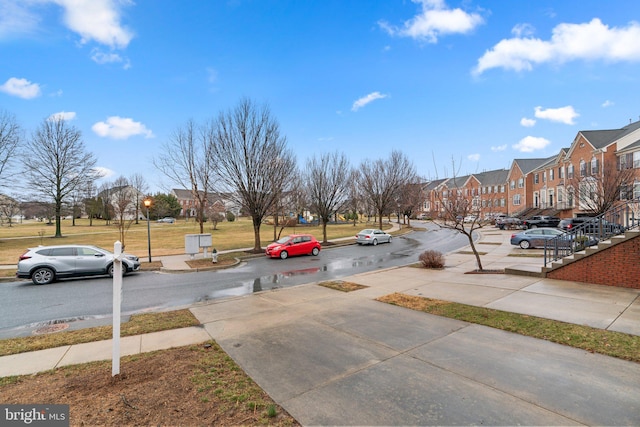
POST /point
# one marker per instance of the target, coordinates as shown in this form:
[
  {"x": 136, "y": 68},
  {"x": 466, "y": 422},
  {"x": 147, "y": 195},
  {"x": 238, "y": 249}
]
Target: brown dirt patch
[
  {"x": 195, "y": 385},
  {"x": 340, "y": 285}
]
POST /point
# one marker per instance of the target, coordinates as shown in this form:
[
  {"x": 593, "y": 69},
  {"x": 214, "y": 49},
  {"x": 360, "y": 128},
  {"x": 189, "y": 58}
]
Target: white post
[{"x": 117, "y": 302}]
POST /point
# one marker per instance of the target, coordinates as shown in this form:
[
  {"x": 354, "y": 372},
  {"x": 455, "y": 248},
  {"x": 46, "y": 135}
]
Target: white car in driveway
[{"x": 372, "y": 236}]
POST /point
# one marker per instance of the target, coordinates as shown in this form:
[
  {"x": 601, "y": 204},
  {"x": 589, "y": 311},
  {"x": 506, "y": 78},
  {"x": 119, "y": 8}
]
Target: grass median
[{"x": 609, "y": 343}]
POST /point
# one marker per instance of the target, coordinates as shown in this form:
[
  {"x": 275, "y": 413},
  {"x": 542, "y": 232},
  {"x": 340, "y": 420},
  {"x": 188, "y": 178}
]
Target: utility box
[{"x": 193, "y": 243}]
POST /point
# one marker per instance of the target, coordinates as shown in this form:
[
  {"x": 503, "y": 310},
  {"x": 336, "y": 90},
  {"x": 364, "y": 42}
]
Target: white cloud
[
  {"x": 120, "y": 128},
  {"x": 523, "y": 30},
  {"x": 607, "y": 103},
  {"x": 16, "y": 19},
  {"x": 530, "y": 144},
  {"x": 474, "y": 157},
  {"x": 589, "y": 41},
  {"x": 63, "y": 115},
  {"x": 22, "y": 88},
  {"x": 527, "y": 122},
  {"x": 104, "y": 172},
  {"x": 499, "y": 148},
  {"x": 563, "y": 115},
  {"x": 105, "y": 58},
  {"x": 435, "y": 19},
  {"x": 96, "y": 20},
  {"x": 367, "y": 99}
]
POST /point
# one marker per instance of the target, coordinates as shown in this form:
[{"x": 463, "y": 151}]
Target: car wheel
[
  {"x": 110, "y": 270},
  {"x": 284, "y": 255},
  {"x": 43, "y": 276},
  {"x": 525, "y": 244},
  {"x": 375, "y": 242},
  {"x": 533, "y": 226},
  {"x": 315, "y": 251},
  {"x": 389, "y": 239}
]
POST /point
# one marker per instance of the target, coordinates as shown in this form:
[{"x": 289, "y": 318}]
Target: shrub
[
  {"x": 432, "y": 259},
  {"x": 230, "y": 216}
]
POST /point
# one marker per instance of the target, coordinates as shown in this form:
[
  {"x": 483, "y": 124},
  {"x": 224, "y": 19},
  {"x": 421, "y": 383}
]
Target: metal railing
[{"x": 591, "y": 230}]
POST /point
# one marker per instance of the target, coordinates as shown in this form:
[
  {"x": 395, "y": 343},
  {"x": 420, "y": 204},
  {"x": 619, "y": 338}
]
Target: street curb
[{"x": 195, "y": 270}]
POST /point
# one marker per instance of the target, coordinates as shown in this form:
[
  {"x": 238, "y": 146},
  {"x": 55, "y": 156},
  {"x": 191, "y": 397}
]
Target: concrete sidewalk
[{"x": 333, "y": 358}]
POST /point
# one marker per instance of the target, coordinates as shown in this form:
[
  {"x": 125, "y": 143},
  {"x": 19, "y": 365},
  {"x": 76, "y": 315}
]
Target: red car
[{"x": 295, "y": 244}]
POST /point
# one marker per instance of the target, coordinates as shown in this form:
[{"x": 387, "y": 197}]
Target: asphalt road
[{"x": 26, "y": 307}]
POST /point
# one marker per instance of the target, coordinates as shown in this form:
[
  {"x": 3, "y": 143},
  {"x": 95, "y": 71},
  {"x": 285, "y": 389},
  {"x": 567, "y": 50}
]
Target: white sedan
[{"x": 372, "y": 236}]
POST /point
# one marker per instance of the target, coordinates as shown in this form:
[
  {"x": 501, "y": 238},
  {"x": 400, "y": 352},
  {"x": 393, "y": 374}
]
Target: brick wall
[{"x": 615, "y": 266}]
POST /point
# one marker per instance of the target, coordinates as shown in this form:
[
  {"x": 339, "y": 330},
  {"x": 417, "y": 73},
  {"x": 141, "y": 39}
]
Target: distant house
[
  {"x": 122, "y": 202},
  {"x": 216, "y": 201}
]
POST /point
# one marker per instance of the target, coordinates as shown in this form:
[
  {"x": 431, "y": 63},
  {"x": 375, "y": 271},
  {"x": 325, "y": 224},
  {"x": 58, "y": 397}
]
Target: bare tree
[
  {"x": 137, "y": 182},
  {"x": 326, "y": 180},
  {"x": 104, "y": 200},
  {"x": 459, "y": 208},
  {"x": 10, "y": 138},
  {"x": 187, "y": 162},
  {"x": 409, "y": 199},
  {"x": 600, "y": 188},
  {"x": 253, "y": 164},
  {"x": 56, "y": 163},
  {"x": 354, "y": 195},
  {"x": 9, "y": 207},
  {"x": 381, "y": 181},
  {"x": 123, "y": 200},
  {"x": 215, "y": 213}
]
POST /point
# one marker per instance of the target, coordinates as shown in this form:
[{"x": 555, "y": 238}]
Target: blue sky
[{"x": 473, "y": 84}]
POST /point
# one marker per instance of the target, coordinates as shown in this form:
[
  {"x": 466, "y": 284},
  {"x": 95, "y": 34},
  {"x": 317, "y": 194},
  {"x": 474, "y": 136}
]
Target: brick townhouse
[{"x": 561, "y": 184}]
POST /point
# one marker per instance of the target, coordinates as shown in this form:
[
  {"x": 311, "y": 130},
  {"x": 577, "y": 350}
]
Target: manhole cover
[{"x": 51, "y": 329}]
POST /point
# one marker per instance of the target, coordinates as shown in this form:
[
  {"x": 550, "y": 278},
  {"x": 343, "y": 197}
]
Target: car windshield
[
  {"x": 367, "y": 231},
  {"x": 283, "y": 240}
]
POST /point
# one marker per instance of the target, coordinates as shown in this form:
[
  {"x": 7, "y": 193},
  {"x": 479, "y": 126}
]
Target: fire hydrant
[{"x": 214, "y": 256}]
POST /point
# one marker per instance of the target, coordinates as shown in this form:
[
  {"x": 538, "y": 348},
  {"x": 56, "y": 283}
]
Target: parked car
[
  {"x": 537, "y": 221},
  {"x": 570, "y": 223},
  {"x": 46, "y": 264},
  {"x": 372, "y": 236},
  {"x": 536, "y": 238},
  {"x": 591, "y": 225},
  {"x": 470, "y": 218},
  {"x": 167, "y": 219},
  {"x": 508, "y": 223},
  {"x": 422, "y": 216},
  {"x": 295, "y": 244}
]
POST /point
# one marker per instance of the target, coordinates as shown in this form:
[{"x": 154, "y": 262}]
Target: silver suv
[{"x": 45, "y": 264}]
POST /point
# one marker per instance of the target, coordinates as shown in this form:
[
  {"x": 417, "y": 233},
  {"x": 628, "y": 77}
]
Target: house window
[
  {"x": 583, "y": 168},
  {"x": 636, "y": 159},
  {"x": 503, "y": 188},
  {"x": 561, "y": 172},
  {"x": 594, "y": 166},
  {"x": 535, "y": 179},
  {"x": 502, "y": 202},
  {"x": 551, "y": 171},
  {"x": 516, "y": 199},
  {"x": 636, "y": 190},
  {"x": 570, "y": 171},
  {"x": 520, "y": 182},
  {"x": 544, "y": 176},
  {"x": 512, "y": 185}
]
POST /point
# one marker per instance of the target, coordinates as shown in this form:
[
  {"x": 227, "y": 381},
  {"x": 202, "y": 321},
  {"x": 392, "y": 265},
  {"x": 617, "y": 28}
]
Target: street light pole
[{"x": 147, "y": 204}]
